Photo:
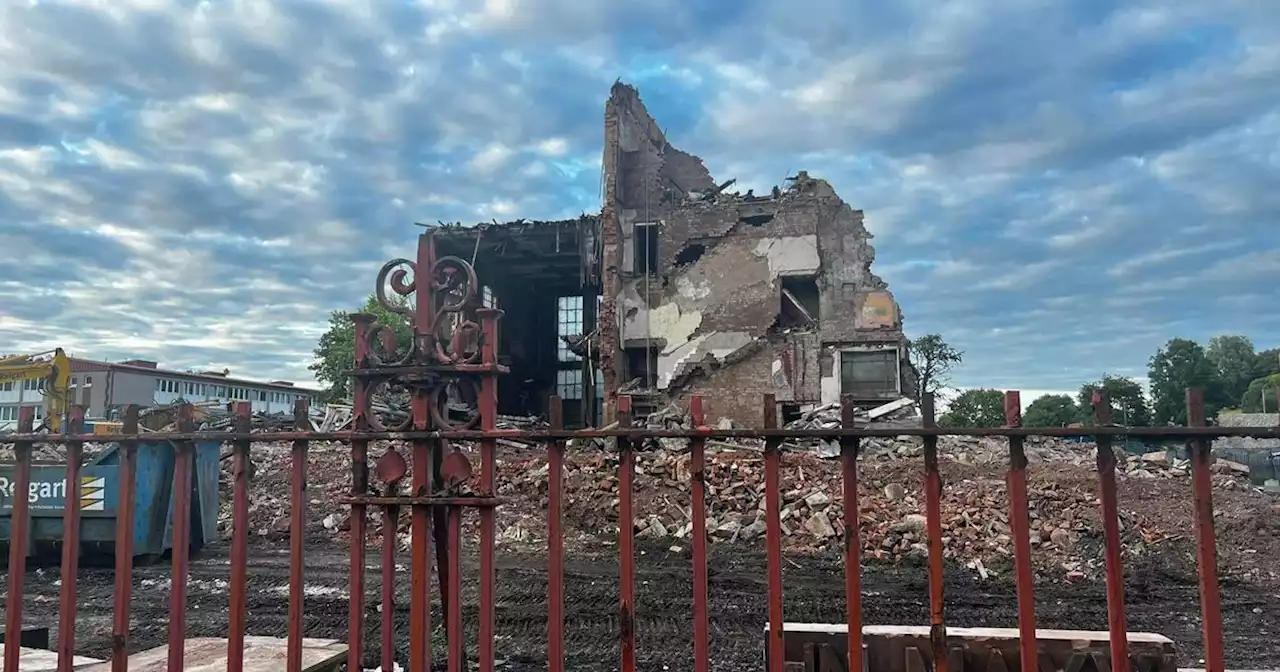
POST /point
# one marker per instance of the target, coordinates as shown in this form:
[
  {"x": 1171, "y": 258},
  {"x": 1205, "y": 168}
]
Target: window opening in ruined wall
[
  {"x": 568, "y": 323},
  {"x": 642, "y": 363},
  {"x": 869, "y": 374},
  {"x": 800, "y": 300},
  {"x": 646, "y": 248}
]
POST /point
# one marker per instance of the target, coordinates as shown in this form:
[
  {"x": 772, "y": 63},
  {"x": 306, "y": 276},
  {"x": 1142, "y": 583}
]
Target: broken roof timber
[{"x": 527, "y": 248}]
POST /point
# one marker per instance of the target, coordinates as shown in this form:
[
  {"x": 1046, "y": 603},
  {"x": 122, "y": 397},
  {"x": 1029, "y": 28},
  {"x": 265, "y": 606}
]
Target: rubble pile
[
  {"x": 1065, "y": 523},
  {"x": 1062, "y": 484}
]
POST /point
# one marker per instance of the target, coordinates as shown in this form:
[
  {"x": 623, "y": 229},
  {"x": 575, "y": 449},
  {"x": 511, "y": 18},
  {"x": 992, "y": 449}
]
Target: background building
[
  {"x": 106, "y": 388},
  {"x": 680, "y": 286}
]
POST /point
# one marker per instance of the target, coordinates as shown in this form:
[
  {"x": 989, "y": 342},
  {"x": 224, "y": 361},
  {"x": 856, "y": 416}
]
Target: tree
[
  {"x": 1260, "y": 396},
  {"x": 1178, "y": 365},
  {"x": 1236, "y": 364},
  {"x": 975, "y": 408},
  {"x": 1051, "y": 410},
  {"x": 335, "y": 353},
  {"x": 1128, "y": 401},
  {"x": 933, "y": 360},
  {"x": 1267, "y": 363}
]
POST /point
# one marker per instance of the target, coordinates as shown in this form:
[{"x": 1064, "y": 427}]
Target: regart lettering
[{"x": 36, "y": 491}]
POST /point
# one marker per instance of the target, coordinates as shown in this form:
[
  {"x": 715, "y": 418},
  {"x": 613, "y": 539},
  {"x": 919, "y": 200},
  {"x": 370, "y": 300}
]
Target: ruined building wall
[{"x": 711, "y": 309}]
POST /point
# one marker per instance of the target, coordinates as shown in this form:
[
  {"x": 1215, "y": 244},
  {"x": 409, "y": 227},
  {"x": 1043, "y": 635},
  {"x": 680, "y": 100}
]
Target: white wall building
[{"x": 106, "y": 388}]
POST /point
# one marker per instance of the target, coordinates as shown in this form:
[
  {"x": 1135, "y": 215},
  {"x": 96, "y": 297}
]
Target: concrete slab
[
  {"x": 43, "y": 660},
  {"x": 261, "y": 654},
  {"x": 823, "y": 647}
]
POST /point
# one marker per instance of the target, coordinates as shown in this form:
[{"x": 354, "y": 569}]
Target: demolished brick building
[{"x": 685, "y": 287}]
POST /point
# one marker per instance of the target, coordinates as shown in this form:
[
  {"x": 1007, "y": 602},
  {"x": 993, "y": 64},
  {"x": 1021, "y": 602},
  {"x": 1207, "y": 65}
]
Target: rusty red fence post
[
  {"x": 555, "y": 541},
  {"x": 453, "y": 608},
  {"x": 390, "y": 521},
  {"x": 70, "y": 544},
  {"x": 698, "y": 485},
  {"x": 297, "y": 532},
  {"x": 933, "y": 518},
  {"x": 358, "y": 539},
  {"x": 1206, "y": 542},
  {"x": 238, "y": 609},
  {"x": 626, "y": 539},
  {"x": 122, "y": 590},
  {"x": 773, "y": 532},
  {"x": 488, "y": 407},
  {"x": 18, "y": 539},
  {"x": 420, "y": 531},
  {"x": 181, "y": 552},
  {"x": 1111, "y": 534},
  {"x": 1021, "y": 528},
  {"x": 849, "y": 447},
  {"x": 360, "y": 324}
]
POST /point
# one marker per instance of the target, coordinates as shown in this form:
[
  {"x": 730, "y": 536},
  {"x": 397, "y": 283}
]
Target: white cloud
[{"x": 1020, "y": 163}]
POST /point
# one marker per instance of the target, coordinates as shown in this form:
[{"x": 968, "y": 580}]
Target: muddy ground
[{"x": 1160, "y": 599}]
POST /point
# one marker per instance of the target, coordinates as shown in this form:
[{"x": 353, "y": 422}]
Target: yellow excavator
[{"x": 53, "y": 371}]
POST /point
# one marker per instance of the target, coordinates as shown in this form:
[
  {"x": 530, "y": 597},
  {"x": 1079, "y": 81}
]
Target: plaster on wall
[
  {"x": 790, "y": 255},
  {"x": 666, "y": 322},
  {"x": 716, "y": 344}
]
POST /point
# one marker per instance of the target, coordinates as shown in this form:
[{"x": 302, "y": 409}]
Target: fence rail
[{"x": 440, "y": 504}]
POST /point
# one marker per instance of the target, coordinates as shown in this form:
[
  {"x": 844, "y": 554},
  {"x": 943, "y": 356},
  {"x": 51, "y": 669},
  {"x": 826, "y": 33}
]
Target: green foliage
[
  {"x": 1179, "y": 365},
  {"x": 933, "y": 359},
  {"x": 1236, "y": 364},
  {"x": 1051, "y": 410},
  {"x": 1260, "y": 396},
  {"x": 975, "y": 408},
  {"x": 335, "y": 353},
  {"x": 1267, "y": 363},
  {"x": 1128, "y": 401}
]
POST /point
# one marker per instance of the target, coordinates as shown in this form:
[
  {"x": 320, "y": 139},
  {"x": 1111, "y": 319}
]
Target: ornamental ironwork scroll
[{"x": 443, "y": 360}]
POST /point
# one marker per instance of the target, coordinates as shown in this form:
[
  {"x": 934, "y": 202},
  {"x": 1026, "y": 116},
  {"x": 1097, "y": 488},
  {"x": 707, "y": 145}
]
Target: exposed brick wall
[
  {"x": 731, "y": 290},
  {"x": 736, "y": 391}
]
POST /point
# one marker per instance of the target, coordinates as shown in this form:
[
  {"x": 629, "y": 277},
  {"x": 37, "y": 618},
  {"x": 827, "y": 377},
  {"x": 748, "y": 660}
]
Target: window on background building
[
  {"x": 569, "y": 383},
  {"x": 8, "y": 413},
  {"x": 75, "y": 381},
  {"x": 88, "y": 380},
  {"x": 869, "y": 374},
  {"x": 6, "y": 386},
  {"x": 262, "y": 396},
  {"x": 568, "y": 323},
  {"x": 39, "y": 413}
]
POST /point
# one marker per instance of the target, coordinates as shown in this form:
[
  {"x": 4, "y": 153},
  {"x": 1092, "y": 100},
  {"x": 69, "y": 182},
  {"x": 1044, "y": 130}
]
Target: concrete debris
[
  {"x": 1064, "y": 520},
  {"x": 901, "y": 412},
  {"x": 820, "y": 526}
]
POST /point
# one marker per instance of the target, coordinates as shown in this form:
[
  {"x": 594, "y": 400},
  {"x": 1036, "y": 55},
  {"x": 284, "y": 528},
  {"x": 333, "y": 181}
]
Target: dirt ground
[{"x": 1160, "y": 599}]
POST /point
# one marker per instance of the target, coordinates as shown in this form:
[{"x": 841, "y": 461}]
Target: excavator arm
[{"x": 53, "y": 370}]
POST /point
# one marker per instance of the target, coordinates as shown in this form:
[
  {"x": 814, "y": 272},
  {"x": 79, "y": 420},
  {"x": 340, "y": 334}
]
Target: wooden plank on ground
[
  {"x": 42, "y": 660},
  {"x": 261, "y": 654}
]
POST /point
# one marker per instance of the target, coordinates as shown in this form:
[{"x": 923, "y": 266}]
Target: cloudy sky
[{"x": 1056, "y": 187}]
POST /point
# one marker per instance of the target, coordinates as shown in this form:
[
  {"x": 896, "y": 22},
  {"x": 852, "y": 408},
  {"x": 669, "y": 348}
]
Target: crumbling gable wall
[{"x": 712, "y": 306}]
